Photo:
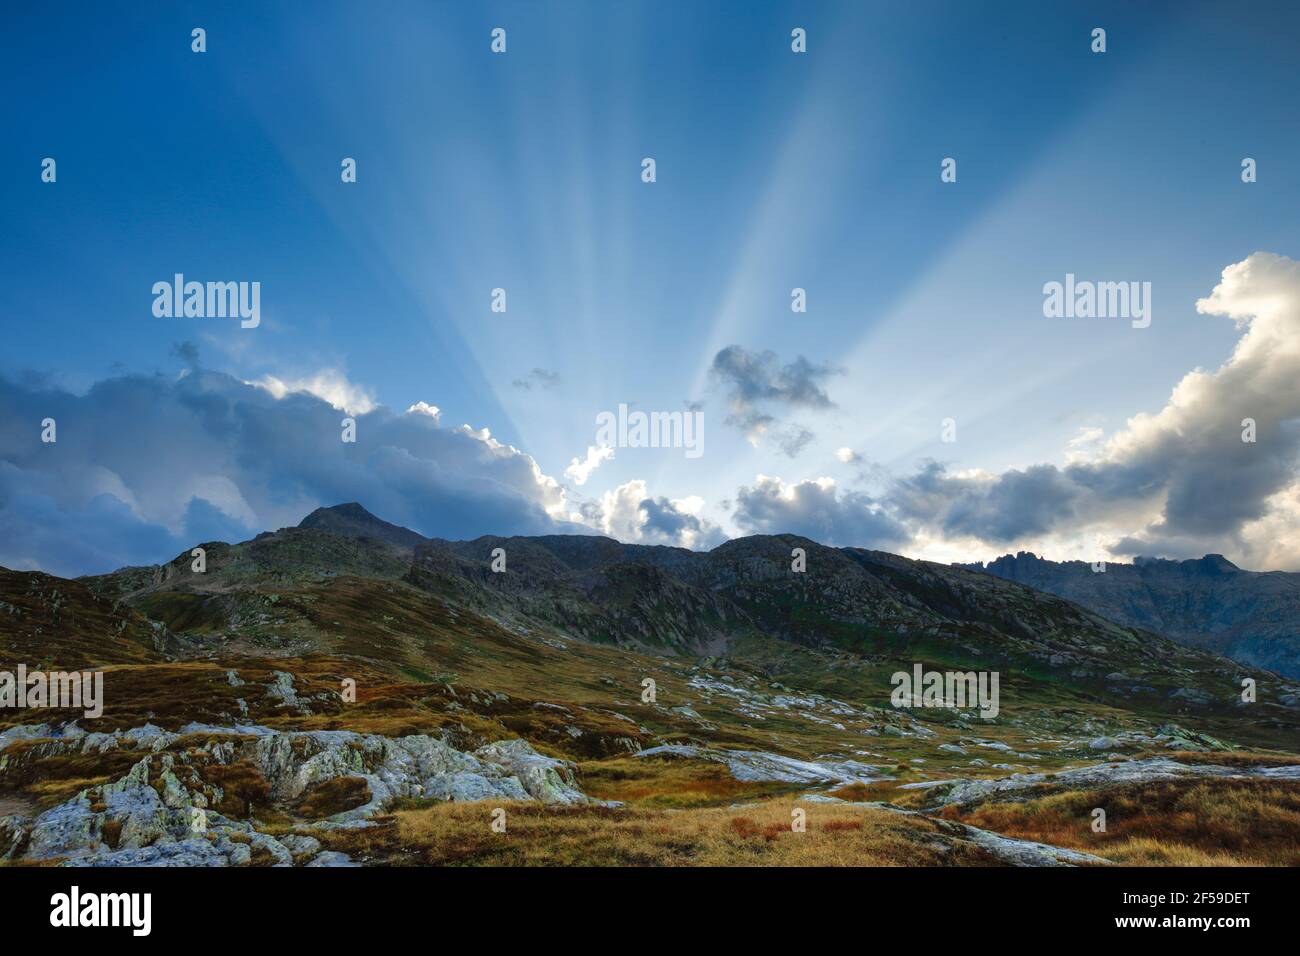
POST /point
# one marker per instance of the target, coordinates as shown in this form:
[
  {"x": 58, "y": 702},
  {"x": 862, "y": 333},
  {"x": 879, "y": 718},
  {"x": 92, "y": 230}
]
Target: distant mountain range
[
  {"x": 1209, "y": 603},
  {"x": 314, "y": 677},
  {"x": 670, "y": 601}
]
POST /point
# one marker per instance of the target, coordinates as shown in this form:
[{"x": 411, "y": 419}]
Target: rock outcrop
[
  {"x": 1026, "y": 786},
  {"x": 753, "y": 766},
  {"x": 162, "y": 812}
]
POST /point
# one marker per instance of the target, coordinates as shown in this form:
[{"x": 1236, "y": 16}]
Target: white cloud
[
  {"x": 424, "y": 408},
  {"x": 630, "y": 514},
  {"x": 580, "y": 469},
  {"x": 328, "y": 384},
  {"x": 1176, "y": 483},
  {"x": 815, "y": 508}
]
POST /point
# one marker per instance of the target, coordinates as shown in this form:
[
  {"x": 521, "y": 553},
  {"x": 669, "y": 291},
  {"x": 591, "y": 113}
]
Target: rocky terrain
[
  {"x": 1208, "y": 603},
  {"x": 166, "y": 809},
  {"x": 347, "y": 692}
]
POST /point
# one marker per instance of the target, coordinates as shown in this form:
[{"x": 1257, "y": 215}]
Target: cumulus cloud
[
  {"x": 817, "y": 509},
  {"x": 1178, "y": 482},
  {"x": 629, "y": 513},
  {"x": 1084, "y": 445},
  {"x": 580, "y": 469},
  {"x": 328, "y": 384},
  {"x": 757, "y": 385},
  {"x": 424, "y": 408},
  {"x": 147, "y": 466},
  {"x": 995, "y": 508}
]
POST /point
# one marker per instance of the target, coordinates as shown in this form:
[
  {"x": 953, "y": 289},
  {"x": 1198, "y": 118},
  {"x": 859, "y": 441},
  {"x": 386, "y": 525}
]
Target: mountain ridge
[
  {"x": 1250, "y": 616},
  {"x": 668, "y": 601},
  {"x": 675, "y": 600}
]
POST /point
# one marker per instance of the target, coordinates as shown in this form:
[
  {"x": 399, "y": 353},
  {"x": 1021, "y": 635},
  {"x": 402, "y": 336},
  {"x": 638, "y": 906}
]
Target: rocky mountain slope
[
  {"x": 1209, "y": 603},
  {"x": 672, "y": 601},
  {"x": 346, "y": 691}
]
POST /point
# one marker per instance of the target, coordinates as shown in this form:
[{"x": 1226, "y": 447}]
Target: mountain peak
[
  {"x": 352, "y": 520},
  {"x": 349, "y": 509},
  {"x": 1216, "y": 563}
]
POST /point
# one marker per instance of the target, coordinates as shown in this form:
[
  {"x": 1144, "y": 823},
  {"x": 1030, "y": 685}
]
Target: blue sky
[{"x": 775, "y": 170}]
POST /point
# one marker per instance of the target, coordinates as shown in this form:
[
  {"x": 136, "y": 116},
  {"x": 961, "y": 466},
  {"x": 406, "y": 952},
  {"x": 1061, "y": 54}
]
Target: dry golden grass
[
  {"x": 332, "y": 796},
  {"x": 1166, "y": 823},
  {"x": 668, "y": 783},
  {"x": 885, "y": 791},
  {"x": 244, "y": 789},
  {"x": 49, "y": 780},
  {"x": 856, "y": 792},
  {"x": 111, "y": 833},
  {"x": 1233, "y": 759},
  {"x": 759, "y": 835},
  {"x": 1144, "y": 851}
]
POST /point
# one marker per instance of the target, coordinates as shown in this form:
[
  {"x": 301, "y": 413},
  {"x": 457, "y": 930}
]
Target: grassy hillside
[{"x": 771, "y": 693}]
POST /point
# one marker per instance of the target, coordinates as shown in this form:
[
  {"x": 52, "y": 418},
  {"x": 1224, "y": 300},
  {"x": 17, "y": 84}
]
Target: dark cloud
[
  {"x": 187, "y": 352},
  {"x": 819, "y": 510},
  {"x": 757, "y": 381},
  {"x": 998, "y": 509},
  {"x": 663, "y": 521},
  {"x": 630, "y": 513},
  {"x": 145, "y": 466}
]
